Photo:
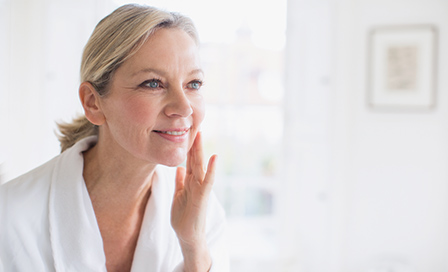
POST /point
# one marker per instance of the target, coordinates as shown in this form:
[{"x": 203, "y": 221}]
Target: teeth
[{"x": 175, "y": 133}]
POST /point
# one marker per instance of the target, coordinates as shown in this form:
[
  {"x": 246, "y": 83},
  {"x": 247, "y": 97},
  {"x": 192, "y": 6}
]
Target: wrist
[{"x": 196, "y": 256}]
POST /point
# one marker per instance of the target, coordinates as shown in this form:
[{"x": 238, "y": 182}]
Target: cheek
[
  {"x": 140, "y": 110},
  {"x": 198, "y": 110}
]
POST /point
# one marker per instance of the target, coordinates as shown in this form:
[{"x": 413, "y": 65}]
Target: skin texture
[{"x": 157, "y": 89}]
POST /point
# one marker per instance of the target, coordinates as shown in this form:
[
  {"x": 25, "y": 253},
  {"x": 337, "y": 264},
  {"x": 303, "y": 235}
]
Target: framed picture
[{"x": 402, "y": 68}]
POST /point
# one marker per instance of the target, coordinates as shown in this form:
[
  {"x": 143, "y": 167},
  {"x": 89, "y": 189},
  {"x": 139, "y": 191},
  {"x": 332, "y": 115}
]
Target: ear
[{"x": 90, "y": 101}]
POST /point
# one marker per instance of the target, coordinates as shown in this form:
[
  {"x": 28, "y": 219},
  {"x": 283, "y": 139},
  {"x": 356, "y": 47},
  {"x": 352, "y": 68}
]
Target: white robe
[{"x": 47, "y": 222}]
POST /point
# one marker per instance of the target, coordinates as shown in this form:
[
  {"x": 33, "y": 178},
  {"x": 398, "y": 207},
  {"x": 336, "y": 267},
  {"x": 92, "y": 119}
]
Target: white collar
[
  {"x": 75, "y": 237},
  {"x": 74, "y": 233}
]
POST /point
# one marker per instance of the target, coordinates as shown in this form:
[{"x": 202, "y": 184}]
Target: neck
[
  {"x": 119, "y": 189},
  {"x": 112, "y": 180}
]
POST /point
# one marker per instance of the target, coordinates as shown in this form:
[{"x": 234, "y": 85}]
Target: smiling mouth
[{"x": 171, "y": 132}]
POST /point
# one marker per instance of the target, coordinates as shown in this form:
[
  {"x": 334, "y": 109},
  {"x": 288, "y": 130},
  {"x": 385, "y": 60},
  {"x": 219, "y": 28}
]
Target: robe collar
[{"x": 75, "y": 236}]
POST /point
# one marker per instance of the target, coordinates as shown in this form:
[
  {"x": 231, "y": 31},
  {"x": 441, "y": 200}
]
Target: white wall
[
  {"x": 305, "y": 205},
  {"x": 4, "y": 79},
  {"x": 397, "y": 180},
  {"x": 365, "y": 190},
  {"x": 40, "y": 75}
]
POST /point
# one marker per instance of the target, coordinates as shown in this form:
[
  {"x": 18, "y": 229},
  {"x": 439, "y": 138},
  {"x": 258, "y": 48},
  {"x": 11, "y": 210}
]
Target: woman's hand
[{"x": 188, "y": 212}]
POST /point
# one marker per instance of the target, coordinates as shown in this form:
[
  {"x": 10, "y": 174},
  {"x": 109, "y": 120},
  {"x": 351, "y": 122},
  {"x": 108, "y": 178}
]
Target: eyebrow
[{"x": 163, "y": 73}]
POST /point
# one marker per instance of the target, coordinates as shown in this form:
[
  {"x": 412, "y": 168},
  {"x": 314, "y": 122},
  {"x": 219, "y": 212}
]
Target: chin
[
  {"x": 173, "y": 161},
  {"x": 171, "y": 164}
]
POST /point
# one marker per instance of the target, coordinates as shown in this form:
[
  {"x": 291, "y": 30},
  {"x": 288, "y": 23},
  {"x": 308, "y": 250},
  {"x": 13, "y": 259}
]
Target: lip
[{"x": 174, "y": 137}]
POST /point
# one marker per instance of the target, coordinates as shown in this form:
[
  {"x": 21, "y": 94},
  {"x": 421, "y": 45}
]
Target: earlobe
[{"x": 90, "y": 102}]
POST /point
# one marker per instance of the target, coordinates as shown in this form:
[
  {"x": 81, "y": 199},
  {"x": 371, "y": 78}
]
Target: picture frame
[{"x": 402, "y": 67}]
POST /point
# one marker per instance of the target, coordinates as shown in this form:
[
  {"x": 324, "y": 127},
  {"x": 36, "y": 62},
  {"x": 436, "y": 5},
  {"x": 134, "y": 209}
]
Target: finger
[
  {"x": 197, "y": 156},
  {"x": 210, "y": 174},
  {"x": 180, "y": 179},
  {"x": 189, "y": 160},
  {"x": 190, "y": 155}
]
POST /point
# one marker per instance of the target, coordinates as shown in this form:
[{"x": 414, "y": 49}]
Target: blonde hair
[{"x": 115, "y": 39}]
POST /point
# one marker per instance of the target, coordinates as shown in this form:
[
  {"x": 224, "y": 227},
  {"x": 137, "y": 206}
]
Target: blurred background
[{"x": 315, "y": 174}]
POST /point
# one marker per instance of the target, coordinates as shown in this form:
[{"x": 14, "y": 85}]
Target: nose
[{"x": 178, "y": 104}]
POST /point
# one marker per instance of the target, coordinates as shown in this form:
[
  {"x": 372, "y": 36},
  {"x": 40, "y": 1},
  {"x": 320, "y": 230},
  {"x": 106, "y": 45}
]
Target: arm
[{"x": 188, "y": 212}]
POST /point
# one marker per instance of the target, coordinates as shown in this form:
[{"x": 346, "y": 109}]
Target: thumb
[{"x": 180, "y": 179}]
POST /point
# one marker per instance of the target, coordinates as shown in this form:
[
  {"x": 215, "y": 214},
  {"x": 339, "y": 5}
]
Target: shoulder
[
  {"x": 24, "y": 203},
  {"x": 35, "y": 184},
  {"x": 29, "y": 187},
  {"x": 24, "y": 216}
]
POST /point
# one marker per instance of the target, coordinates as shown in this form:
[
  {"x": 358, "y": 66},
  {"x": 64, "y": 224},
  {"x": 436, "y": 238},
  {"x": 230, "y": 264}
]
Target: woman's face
[{"x": 154, "y": 106}]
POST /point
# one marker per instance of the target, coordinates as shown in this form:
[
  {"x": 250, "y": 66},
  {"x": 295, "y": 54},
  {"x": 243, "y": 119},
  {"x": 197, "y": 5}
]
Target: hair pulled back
[{"x": 115, "y": 39}]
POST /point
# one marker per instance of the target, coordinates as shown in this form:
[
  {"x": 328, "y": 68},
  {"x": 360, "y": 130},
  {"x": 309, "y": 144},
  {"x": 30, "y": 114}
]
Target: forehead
[{"x": 167, "y": 48}]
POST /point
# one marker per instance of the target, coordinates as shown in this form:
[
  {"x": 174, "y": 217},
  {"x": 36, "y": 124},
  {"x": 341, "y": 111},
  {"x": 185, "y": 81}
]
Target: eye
[
  {"x": 152, "y": 84},
  {"x": 195, "y": 85}
]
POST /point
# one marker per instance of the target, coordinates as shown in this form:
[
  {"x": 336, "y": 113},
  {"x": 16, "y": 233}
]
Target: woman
[{"x": 106, "y": 202}]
